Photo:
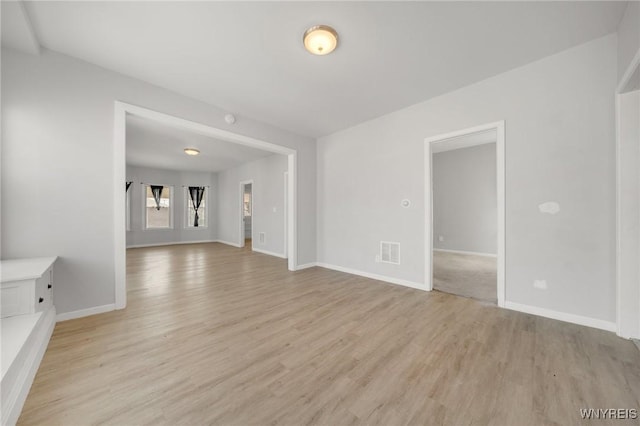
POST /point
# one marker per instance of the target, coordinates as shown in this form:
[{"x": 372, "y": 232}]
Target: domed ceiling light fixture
[
  {"x": 320, "y": 40},
  {"x": 191, "y": 151}
]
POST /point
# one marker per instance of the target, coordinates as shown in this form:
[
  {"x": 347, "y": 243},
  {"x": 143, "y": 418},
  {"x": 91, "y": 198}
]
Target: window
[
  {"x": 154, "y": 217},
  {"x": 191, "y": 211}
]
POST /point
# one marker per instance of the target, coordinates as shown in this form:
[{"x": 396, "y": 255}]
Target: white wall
[
  {"x": 629, "y": 186},
  {"x": 465, "y": 207},
  {"x": 179, "y": 233},
  {"x": 559, "y": 114},
  {"x": 57, "y": 152},
  {"x": 628, "y": 36},
  {"x": 268, "y": 194},
  {"x": 629, "y": 193}
]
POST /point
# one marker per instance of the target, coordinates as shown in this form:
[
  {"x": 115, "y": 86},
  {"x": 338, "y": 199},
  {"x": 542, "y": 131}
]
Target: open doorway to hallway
[
  {"x": 464, "y": 235},
  {"x": 465, "y": 216},
  {"x": 246, "y": 189}
]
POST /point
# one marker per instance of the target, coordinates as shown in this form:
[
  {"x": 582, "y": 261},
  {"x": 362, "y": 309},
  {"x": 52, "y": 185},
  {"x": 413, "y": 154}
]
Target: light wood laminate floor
[
  {"x": 219, "y": 335},
  {"x": 467, "y": 275}
]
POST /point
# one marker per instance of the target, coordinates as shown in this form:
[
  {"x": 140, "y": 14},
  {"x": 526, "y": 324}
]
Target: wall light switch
[
  {"x": 274, "y": 209},
  {"x": 378, "y": 258},
  {"x": 441, "y": 238}
]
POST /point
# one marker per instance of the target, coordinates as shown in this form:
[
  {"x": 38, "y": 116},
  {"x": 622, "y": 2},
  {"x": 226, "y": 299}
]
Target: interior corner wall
[
  {"x": 465, "y": 204},
  {"x": 180, "y": 233},
  {"x": 560, "y": 146},
  {"x": 628, "y": 37},
  {"x": 268, "y": 193},
  {"x": 57, "y": 164}
]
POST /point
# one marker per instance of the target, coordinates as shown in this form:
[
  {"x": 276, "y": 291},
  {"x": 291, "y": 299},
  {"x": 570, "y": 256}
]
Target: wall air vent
[{"x": 390, "y": 252}]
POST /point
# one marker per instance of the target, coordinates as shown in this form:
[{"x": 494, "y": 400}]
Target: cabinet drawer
[
  {"x": 48, "y": 289},
  {"x": 40, "y": 296}
]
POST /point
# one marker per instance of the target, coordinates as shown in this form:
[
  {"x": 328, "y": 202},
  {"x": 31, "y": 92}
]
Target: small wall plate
[{"x": 406, "y": 203}]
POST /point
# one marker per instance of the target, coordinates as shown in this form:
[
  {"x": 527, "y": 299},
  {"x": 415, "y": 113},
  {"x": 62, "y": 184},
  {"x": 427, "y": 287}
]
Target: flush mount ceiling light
[
  {"x": 191, "y": 151},
  {"x": 320, "y": 40}
]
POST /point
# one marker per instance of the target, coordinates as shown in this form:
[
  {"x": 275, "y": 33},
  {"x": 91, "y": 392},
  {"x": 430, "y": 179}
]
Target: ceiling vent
[{"x": 390, "y": 252}]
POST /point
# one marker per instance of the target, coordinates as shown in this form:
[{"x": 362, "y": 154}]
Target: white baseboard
[
  {"x": 475, "y": 253},
  {"x": 562, "y": 316},
  {"x": 384, "y": 278},
  {"x": 171, "y": 244},
  {"x": 14, "y": 398},
  {"x": 229, "y": 243},
  {"x": 85, "y": 312},
  {"x": 306, "y": 266},
  {"x": 270, "y": 253}
]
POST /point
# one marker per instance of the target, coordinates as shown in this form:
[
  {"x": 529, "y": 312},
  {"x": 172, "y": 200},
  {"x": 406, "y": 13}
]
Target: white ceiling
[
  {"x": 152, "y": 144},
  {"x": 248, "y": 57}
]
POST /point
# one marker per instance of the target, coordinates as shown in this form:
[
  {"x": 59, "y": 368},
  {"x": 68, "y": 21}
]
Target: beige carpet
[{"x": 465, "y": 275}]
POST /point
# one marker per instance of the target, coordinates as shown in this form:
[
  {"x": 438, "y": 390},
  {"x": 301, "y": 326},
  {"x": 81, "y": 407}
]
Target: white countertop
[{"x": 24, "y": 269}]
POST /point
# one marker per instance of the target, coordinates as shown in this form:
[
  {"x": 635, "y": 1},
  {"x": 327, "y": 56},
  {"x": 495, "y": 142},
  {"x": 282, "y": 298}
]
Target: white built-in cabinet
[
  {"x": 27, "y": 320},
  {"x": 27, "y": 286}
]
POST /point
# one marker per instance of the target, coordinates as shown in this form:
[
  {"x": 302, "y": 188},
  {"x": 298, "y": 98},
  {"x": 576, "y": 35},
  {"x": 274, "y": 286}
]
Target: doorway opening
[
  {"x": 246, "y": 214},
  {"x": 121, "y": 113},
  {"x": 464, "y": 223},
  {"x": 286, "y": 212}
]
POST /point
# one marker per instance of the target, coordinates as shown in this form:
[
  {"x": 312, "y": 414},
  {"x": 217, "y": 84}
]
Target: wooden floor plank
[{"x": 219, "y": 335}]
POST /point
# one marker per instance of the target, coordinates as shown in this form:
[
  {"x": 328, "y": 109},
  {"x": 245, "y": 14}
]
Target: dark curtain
[
  {"x": 128, "y": 185},
  {"x": 156, "y": 190},
  {"x": 196, "y": 193}
]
